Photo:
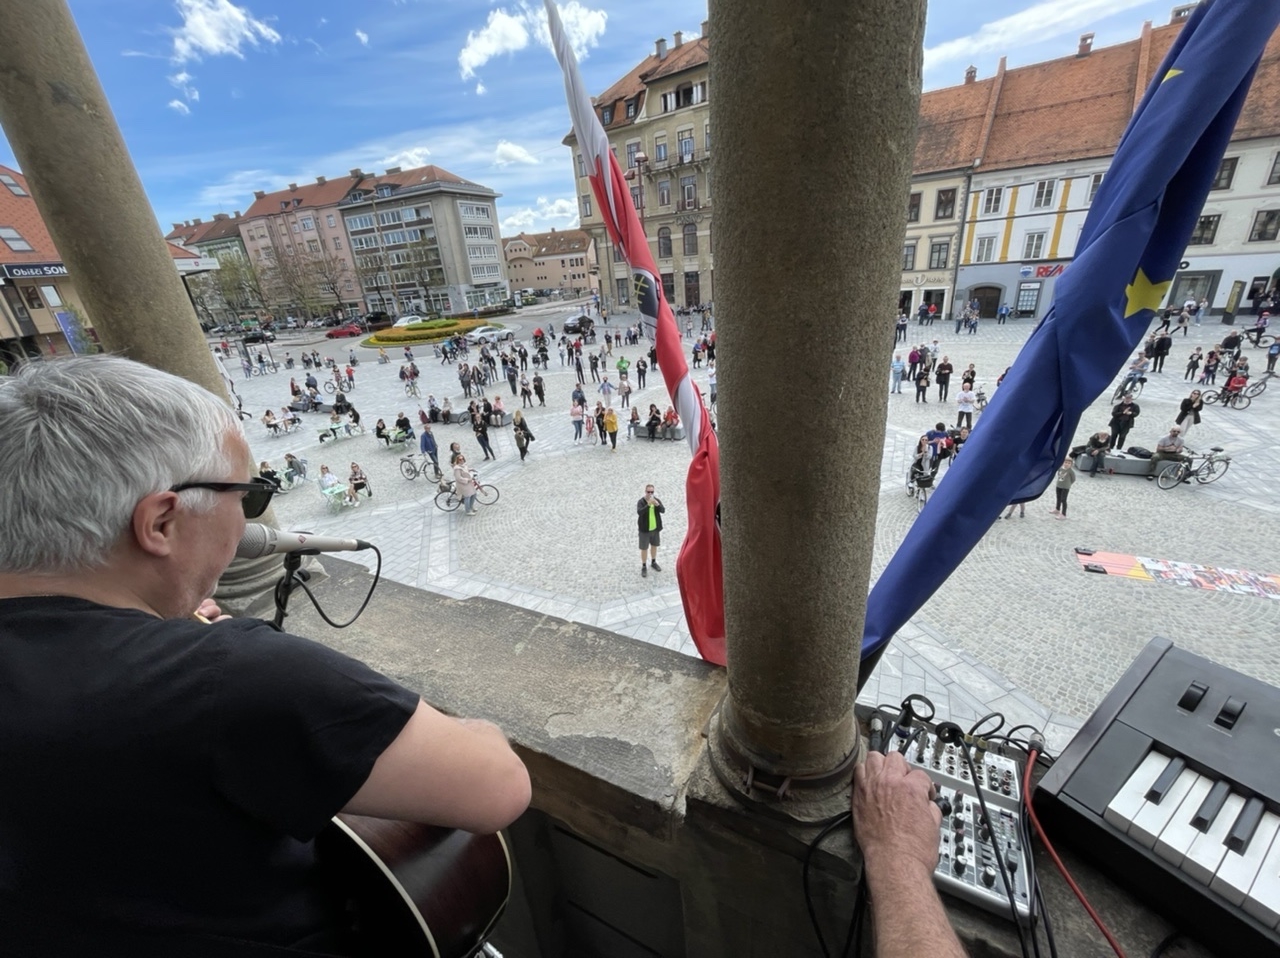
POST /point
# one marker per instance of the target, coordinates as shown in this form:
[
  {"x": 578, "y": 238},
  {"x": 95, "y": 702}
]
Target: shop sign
[{"x": 34, "y": 270}]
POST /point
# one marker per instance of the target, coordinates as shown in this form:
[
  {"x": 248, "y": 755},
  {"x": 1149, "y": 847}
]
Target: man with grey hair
[{"x": 166, "y": 776}]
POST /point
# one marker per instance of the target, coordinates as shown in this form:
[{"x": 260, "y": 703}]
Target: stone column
[
  {"x": 814, "y": 113},
  {"x": 60, "y": 125}
]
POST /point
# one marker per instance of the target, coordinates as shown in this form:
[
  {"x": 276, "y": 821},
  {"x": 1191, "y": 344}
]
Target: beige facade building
[
  {"x": 659, "y": 112},
  {"x": 563, "y": 260}
]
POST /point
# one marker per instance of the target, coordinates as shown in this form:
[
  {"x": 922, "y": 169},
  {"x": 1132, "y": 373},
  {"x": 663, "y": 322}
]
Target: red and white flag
[{"x": 698, "y": 567}]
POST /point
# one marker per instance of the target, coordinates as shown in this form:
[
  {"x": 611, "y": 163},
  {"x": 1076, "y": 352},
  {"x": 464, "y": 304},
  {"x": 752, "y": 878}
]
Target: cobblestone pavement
[{"x": 1019, "y": 627}]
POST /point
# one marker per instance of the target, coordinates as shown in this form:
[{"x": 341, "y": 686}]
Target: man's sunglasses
[{"x": 257, "y": 493}]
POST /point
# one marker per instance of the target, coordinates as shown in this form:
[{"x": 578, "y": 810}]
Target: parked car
[
  {"x": 409, "y": 320},
  {"x": 377, "y": 320},
  {"x": 346, "y": 329},
  {"x": 488, "y": 334},
  {"x": 259, "y": 336},
  {"x": 578, "y": 324}
]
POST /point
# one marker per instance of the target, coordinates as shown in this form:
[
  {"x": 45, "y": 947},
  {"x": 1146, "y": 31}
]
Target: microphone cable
[{"x": 285, "y": 585}]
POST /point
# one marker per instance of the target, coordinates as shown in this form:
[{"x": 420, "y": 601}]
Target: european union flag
[{"x": 1132, "y": 242}]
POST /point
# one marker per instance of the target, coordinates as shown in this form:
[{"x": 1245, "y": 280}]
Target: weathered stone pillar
[
  {"x": 814, "y": 112},
  {"x": 64, "y": 135}
]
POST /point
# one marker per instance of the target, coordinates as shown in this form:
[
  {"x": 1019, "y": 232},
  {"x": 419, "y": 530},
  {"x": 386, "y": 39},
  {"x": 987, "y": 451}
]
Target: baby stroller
[{"x": 920, "y": 477}]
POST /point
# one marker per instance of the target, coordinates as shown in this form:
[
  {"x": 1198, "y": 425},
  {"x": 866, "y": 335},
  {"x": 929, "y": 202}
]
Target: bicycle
[
  {"x": 1238, "y": 400},
  {"x": 1213, "y": 467},
  {"x": 411, "y": 389},
  {"x": 1255, "y": 389},
  {"x": 1261, "y": 340},
  {"x": 980, "y": 397},
  {"x": 448, "y": 500},
  {"x": 918, "y": 485},
  {"x": 411, "y": 469},
  {"x": 259, "y": 371},
  {"x": 346, "y": 385},
  {"x": 1130, "y": 388}
]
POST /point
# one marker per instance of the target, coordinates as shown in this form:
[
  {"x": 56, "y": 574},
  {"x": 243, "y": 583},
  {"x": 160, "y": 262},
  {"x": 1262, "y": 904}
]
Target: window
[
  {"x": 986, "y": 251},
  {"x": 908, "y": 257},
  {"x": 313, "y": 245},
  {"x": 1226, "y": 173},
  {"x": 297, "y": 201},
  {"x": 631, "y": 109},
  {"x": 664, "y": 243},
  {"x": 51, "y": 296},
  {"x": 669, "y": 287},
  {"x": 473, "y": 212},
  {"x": 330, "y": 221},
  {"x": 1033, "y": 246},
  {"x": 1205, "y": 231},
  {"x": 308, "y": 223},
  {"x": 10, "y": 182},
  {"x": 478, "y": 232},
  {"x": 1094, "y": 182},
  {"x": 384, "y": 190},
  {"x": 913, "y": 208},
  {"x": 490, "y": 271},
  {"x": 586, "y": 204},
  {"x": 482, "y": 251},
  {"x": 706, "y": 137},
  {"x": 582, "y": 166},
  {"x": 389, "y": 217},
  {"x": 337, "y": 242},
  {"x": 362, "y": 222},
  {"x": 14, "y": 240},
  {"x": 606, "y": 115},
  {"x": 690, "y": 239},
  {"x": 635, "y": 197},
  {"x": 422, "y": 213},
  {"x": 689, "y": 192},
  {"x": 992, "y": 200},
  {"x": 945, "y": 206},
  {"x": 664, "y": 192},
  {"x": 690, "y": 94},
  {"x": 632, "y": 150},
  {"x": 32, "y": 297},
  {"x": 1265, "y": 227},
  {"x": 685, "y": 145},
  {"x": 1044, "y": 195},
  {"x": 1272, "y": 179},
  {"x": 284, "y": 204},
  {"x": 295, "y": 228},
  {"x": 939, "y": 253},
  {"x": 660, "y": 150}
]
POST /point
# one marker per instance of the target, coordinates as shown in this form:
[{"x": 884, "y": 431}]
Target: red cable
[{"x": 1026, "y": 798}]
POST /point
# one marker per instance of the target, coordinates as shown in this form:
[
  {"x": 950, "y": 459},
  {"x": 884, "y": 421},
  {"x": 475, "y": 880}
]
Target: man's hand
[
  {"x": 894, "y": 817},
  {"x": 210, "y": 611}
]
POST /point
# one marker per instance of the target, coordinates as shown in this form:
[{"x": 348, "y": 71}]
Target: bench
[
  {"x": 1117, "y": 464},
  {"x": 642, "y": 432},
  {"x": 300, "y": 406}
]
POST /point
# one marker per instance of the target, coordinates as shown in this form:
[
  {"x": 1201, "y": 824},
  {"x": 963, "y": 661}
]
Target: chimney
[
  {"x": 392, "y": 171},
  {"x": 195, "y": 222},
  {"x": 217, "y": 217},
  {"x": 703, "y": 28},
  {"x": 1086, "y": 45},
  {"x": 677, "y": 39},
  {"x": 320, "y": 181},
  {"x": 258, "y": 194},
  {"x": 237, "y": 216},
  {"x": 1181, "y": 12},
  {"x": 357, "y": 174},
  {"x": 178, "y": 226},
  {"x": 660, "y": 48},
  {"x": 293, "y": 187},
  {"x": 970, "y": 74}
]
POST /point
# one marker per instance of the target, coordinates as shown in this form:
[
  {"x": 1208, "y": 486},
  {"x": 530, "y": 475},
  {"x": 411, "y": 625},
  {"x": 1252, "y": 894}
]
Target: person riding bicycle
[
  {"x": 1137, "y": 370},
  {"x": 923, "y": 467},
  {"x": 1234, "y": 386},
  {"x": 1259, "y": 327}
]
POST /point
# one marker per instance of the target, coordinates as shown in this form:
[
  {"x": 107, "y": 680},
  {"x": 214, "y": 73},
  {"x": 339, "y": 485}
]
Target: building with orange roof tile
[
  {"x": 659, "y": 111},
  {"x": 563, "y": 261}
]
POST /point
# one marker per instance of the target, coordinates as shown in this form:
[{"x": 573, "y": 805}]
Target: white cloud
[
  {"x": 413, "y": 156},
  {"x": 1043, "y": 21},
  {"x": 180, "y": 107},
  {"x": 509, "y": 31},
  {"x": 508, "y": 153},
  {"x": 216, "y": 28},
  {"x": 481, "y": 89},
  {"x": 561, "y": 213},
  {"x": 362, "y": 37},
  {"x": 319, "y": 49},
  {"x": 182, "y": 82}
]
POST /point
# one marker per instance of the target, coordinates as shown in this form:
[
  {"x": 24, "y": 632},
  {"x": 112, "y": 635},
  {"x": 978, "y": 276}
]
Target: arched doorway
[{"x": 988, "y": 298}]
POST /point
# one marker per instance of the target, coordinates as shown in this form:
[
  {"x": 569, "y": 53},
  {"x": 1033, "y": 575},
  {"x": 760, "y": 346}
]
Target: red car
[{"x": 346, "y": 329}]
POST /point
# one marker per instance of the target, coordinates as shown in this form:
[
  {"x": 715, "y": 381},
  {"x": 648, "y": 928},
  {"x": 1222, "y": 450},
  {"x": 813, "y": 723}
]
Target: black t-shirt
[{"x": 167, "y": 774}]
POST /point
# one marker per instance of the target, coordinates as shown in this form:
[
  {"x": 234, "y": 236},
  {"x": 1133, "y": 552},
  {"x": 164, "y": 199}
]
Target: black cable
[
  {"x": 1048, "y": 925},
  {"x": 973, "y": 729},
  {"x": 377, "y": 574},
  {"x": 955, "y": 732},
  {"x": 1168, "y": 940},
  {"x": 827, "y": 829}
]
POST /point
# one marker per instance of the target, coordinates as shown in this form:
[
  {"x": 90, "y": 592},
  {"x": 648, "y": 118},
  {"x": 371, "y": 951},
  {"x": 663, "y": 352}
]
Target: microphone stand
[{"x": 294, "y": 575}]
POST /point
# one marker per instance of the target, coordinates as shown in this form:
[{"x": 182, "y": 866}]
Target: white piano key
[
  {"x": 1178, "y": 835},
  {"x": 1236, "y": 873},
  {"x": 1128, "y": 801},
  {"x": 1263, "y": 901},
  {"x": 1206, "y": 852},
  {"x": 1152, "y": 818}
]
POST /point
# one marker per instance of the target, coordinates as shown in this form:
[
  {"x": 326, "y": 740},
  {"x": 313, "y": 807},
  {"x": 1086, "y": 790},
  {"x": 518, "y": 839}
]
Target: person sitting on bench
[{"x": 1096, "y": 449}]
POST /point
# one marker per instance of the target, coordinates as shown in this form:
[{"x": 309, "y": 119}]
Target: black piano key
[
  {"x": 1157, "y": 792},
  {"x": 1246, "y": 824},
  {"x": 1210, "y": 807}
]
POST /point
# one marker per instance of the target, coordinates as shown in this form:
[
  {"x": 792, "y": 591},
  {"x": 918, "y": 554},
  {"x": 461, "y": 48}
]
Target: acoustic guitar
[{"x": 418, "y": 891}]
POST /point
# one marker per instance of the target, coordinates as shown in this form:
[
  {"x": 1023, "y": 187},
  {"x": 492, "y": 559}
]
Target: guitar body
[{"x": 418, "y": 891}]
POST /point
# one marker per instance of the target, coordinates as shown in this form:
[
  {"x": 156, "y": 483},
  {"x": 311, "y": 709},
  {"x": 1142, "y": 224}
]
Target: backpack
[{"x": 1139, "y": 451}]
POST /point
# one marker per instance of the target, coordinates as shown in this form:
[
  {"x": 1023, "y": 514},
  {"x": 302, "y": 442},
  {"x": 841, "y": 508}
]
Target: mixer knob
[
  {"x": 988, "y": 876},
  {"x": 959, "y": 864}
]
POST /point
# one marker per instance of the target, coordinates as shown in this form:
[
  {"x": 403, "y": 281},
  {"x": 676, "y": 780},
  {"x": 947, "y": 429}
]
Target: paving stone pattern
[{"x": 1019, "y": 627}]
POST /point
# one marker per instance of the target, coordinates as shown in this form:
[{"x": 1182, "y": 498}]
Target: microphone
[{"x": 259, "y": 540}]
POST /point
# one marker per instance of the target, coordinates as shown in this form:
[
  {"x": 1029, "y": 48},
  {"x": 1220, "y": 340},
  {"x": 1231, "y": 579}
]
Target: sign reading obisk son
[{"x": 34, "y": 270}]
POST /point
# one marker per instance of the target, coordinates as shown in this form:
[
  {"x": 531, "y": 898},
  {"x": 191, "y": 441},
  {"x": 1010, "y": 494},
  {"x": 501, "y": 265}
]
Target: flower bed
[{"x": 432, "y": 331}]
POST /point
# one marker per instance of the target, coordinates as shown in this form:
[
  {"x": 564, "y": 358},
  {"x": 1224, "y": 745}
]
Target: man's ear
[{"x": 153, "y": 523}]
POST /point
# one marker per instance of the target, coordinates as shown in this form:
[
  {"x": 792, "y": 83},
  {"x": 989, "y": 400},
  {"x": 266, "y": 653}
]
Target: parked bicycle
[
  {"x": 448, "y": 499},
  {"x": 1213, "y": 466},
  {"x": 411, "y": 468},
  {"x": 346, "y": 385},
  {"x": 263, "y": 370}
]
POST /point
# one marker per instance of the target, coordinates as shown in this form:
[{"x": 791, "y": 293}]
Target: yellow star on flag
[
  {"x": 1143, "y": 294},
  {"x": 1173, "y": 72}
]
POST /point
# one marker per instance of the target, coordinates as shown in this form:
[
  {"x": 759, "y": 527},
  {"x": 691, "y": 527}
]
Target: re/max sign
[{"x": 35, "y": 270}]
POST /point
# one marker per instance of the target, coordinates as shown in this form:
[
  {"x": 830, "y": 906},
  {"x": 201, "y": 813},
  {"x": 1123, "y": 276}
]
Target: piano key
[
  {"x": 1178, "y": 835},
  {"x": 1152, "y": 818},
  {"x": 1208, "y": 811},
  {"x": 1207, "y": 851},
  {"x": 1126, "y": 803},
  {"x": 1236, "y": 874},
  {"x": 1162, "y": 784},
  {"x": 1263, "y": 901},
  {"x": 1240, "y": 833}
]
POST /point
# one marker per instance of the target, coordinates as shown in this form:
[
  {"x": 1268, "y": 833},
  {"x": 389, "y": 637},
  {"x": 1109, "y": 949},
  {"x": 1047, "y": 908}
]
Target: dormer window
[
  {"x": 357, "y": 196},
  {"x": 297, "y": 201},
  {"x": 606, "y": 115},
  {"x": 284, "y": 204},
  {"x": 631, "y": 109},
  {"x": 384, "y": 191}
]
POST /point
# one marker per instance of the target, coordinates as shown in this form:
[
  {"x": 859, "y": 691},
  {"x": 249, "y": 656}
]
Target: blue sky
[{"x": 218, "y": 98}]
